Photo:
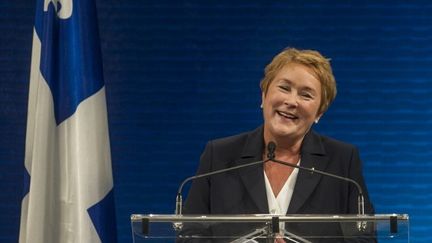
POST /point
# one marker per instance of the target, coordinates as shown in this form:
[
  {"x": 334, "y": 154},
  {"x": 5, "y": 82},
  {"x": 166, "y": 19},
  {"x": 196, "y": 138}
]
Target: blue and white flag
[{"x": 69, "y": 185}]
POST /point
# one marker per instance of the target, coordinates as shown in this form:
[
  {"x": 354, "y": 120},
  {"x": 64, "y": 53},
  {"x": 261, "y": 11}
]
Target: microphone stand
[
  {"x": 361, "y": 226},
  {"x": 360, "y": 205},
  {"x": 179, "y": 199}
]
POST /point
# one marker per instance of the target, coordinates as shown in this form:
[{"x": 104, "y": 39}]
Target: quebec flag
[{"x": 69, "y": 185}]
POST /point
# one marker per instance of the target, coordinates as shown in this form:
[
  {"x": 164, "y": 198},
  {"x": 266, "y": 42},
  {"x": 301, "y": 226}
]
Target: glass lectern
[{"x": 270, "y": 228}]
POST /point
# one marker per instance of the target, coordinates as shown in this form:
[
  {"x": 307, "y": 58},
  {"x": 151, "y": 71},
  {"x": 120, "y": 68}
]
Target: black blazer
[{"x": 243, "y": 191}]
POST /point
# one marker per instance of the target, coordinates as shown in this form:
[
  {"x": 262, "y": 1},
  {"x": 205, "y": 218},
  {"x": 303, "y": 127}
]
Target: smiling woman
[{"x": 297, "y": 88}]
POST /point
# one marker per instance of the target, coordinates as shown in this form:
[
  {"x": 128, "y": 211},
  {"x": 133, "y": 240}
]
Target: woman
[{"x": 297, "y": 88}]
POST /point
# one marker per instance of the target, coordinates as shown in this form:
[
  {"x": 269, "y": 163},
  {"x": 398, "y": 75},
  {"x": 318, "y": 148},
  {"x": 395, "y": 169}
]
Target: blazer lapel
[
  {"x": 253, "y": 176},
  {"x": 312, "y": 156}
]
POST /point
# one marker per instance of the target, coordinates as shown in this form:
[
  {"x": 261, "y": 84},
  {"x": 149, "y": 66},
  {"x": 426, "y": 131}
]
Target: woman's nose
[{"x": 291, "y": 100}]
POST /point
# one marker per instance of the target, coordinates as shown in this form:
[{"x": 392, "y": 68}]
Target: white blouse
[{"x": 279, "y": 205}]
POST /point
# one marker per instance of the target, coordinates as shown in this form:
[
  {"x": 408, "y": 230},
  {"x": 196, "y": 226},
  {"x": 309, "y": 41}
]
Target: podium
[{"x": 267, "y": 228}]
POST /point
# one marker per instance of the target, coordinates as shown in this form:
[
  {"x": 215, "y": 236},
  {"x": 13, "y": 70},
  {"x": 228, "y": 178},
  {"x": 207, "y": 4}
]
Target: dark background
[{"x": 179, "y": 73}]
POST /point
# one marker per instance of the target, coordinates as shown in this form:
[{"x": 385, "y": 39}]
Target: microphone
[
  {"x": 179, "y": 199},
  {"x": 360, "y": 199},
  {"x": 271, "y": 147}
]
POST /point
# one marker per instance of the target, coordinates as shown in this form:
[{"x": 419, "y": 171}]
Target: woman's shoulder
[
  {"x": 330, "y": 143},
  {"x": 238, "y": 139},
  {"x": 233, "y": 147}
]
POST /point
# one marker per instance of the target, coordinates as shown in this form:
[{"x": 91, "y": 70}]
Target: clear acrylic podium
[{"x": 267, "y": 228}]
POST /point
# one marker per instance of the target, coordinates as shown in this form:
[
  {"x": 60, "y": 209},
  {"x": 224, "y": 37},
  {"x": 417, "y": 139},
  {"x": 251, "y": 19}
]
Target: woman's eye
[
  {"x": 307, "y": 95},
  {"x": 286, "y": 88}
]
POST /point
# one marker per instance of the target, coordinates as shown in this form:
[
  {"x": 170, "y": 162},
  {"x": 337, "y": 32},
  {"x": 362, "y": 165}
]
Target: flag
[{"x": 68, "y": 173}]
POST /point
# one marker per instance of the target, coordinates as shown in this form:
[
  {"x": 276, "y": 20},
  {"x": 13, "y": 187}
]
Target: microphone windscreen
[{"x": 271, "y": 147}]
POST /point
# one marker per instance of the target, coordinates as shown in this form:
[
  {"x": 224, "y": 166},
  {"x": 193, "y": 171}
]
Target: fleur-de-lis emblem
[{"x": 63, "y": 8}]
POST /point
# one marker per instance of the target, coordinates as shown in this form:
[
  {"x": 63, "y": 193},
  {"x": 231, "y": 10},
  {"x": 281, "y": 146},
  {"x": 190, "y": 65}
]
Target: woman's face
[{"x": 291, "y": 104}]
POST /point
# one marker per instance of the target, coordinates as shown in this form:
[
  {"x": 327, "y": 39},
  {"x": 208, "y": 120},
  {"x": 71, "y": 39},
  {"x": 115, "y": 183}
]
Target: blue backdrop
[{"x": 179, "y": 73}]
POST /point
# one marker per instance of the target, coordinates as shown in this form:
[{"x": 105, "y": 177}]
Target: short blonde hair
[{"x": 319, "y": 65}]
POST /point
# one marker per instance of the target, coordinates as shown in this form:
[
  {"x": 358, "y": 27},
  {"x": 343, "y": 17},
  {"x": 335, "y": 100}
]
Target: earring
[
  {"x": 316, "y": 121},
  {"x": 261, "y": 105}
]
